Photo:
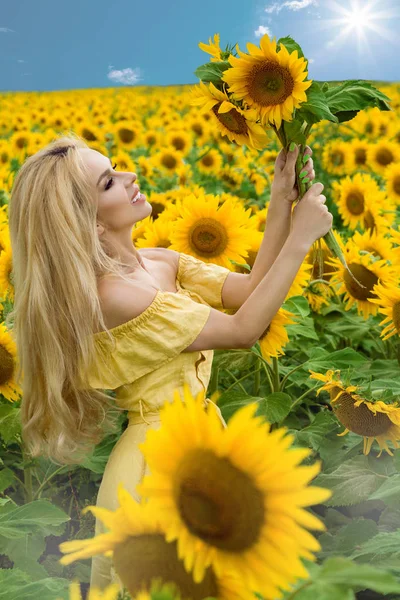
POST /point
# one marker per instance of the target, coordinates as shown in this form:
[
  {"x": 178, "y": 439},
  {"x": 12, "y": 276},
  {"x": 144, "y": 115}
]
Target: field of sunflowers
[{"x": 326, "y": 371}]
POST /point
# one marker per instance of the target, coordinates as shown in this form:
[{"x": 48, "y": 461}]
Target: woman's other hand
[{"x": 284, "y": 187}]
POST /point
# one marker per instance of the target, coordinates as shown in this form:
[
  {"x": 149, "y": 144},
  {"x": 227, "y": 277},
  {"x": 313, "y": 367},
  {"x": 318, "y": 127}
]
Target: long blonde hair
[{"x": 57, "y": 259}]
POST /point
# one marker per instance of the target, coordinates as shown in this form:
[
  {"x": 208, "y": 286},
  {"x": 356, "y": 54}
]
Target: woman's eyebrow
[{"x": 106, "y": 172}]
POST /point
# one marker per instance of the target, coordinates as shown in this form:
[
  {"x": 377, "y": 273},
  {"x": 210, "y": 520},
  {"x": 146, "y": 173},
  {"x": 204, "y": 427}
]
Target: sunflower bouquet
[{"x": 267, "y": 89}]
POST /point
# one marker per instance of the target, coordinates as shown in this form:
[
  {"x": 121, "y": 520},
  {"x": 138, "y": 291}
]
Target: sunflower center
[
  {"x": 158, "y": 208},
  {"x": 365, "y": 277},
  {"x": 126, "y": 135},
  {"x": 169, "y": 161},
  {"x": 395, "y": 316},
  {"x": 369, "y": 127},
  {"x": 327, "y": 270},
  {"x": 373, "y": 251},
  {"x": 384, "y": 156},
  {"x": 337, "y": 158},
  {"x": 207, "y": 160},
  {"x": 208, "y": 238},
  {"x": 358, "y": 419},
  {"x": 210, "y": 493},
  {"x": 232, "y": 119},
  {"x": 88, "y": 135},
  {"x": 360, "y": 156},
  {"x": 197, "y": 128},
  {"x": 178, "y": 143},
  {"x": 396, "y": 184},
  {"x": 269, "y": 83},
  {"x": 7, "y": 366},
  {"x": 355, "y": 202},
  {"x": 141, "y": 558}
]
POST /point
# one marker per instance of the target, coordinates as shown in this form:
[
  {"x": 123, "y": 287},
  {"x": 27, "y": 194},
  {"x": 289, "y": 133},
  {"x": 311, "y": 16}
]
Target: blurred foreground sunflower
[
  {"x": 234, "y": 498},
  {"x": 372, "y": 420}
]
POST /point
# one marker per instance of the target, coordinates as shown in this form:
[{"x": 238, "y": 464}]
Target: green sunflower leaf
[
  {"x": 352, "y": 482},
  {"x": 389, "y": 492},
  {"x": 385, "y": 543},
  {"x": 212, "y": 71},
  {"x": 354, "y": 95},
  {"x": 275, "y": 407},
  {"x": 290, "y": 45},
  {"x": 316, "y": 108},
  {"x": 342, "y": 571}
]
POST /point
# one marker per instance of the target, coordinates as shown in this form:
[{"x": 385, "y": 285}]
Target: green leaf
[
  {"x": 343, "y": 571},
  {"x": 389, "y": 492},
  {"x": 234, "y": 359},
  {"x": 315, "y": 434},
  {"x": 346, "y": 539},
  {"x": 381, "y": 544},
  {"x": 212, "y": 71},
  {"x": 355, "y": 95},
  {"x": 231, "y": 401},
  {"x": 303, "y": 329},
  {"x": 293, "y": 131},
  {"x": 340, "y": 359},
  {"x": 346, "y": 115},
  {"x": 40, "y": 515},
  {"x": 10, "y": 426},
  {"x": 316, "y": 108},
  {"x": 352, "y": 482},
  {"x": 298, "y": 305},
  {"x": 290, "y": 46},
  {"x": 275, "y": 407}
]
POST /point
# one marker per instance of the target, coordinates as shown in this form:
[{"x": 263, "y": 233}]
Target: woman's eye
[{"x": 111, "y": 179}]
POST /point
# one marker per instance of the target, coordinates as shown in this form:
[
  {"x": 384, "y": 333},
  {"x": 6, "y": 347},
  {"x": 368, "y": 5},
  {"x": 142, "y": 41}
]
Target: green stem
[
  {"x": 267, "y": 373},
  {"x": 256, "y": 387},
  {"x": 45, "y": 481},
  {"x": 284, "y": 380},
  {"x": 28, "y": 491},
  {"x": 304, "y": 395},
  {"x": 300, "y": 589},
  {"x": 275, "y": 371},
  {"x": 237, "y": 381}
]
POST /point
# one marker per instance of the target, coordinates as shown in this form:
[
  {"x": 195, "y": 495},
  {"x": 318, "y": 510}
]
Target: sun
[{"x": 359, "y": 21}]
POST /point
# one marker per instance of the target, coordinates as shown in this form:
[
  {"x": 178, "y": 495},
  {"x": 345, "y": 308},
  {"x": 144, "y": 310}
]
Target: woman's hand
[{"x": 284, "y": 188}]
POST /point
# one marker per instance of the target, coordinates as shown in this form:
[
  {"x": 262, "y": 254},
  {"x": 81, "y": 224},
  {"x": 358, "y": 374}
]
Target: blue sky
[{"x": 75, "y": 44}]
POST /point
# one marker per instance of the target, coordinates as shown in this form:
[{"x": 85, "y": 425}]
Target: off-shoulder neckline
[{"x": 144, "y": 314}]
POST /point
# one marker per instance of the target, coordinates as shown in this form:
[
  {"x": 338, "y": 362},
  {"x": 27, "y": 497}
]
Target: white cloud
[
  {"x": 6, "y": 30},
  {"x": 262, "y": 30},
  {"x": 276, "y": 7},
  {"x": 126, "y": 76},
  {"x": 330, "y": 43},
  {"x": 20, "y": 60}
]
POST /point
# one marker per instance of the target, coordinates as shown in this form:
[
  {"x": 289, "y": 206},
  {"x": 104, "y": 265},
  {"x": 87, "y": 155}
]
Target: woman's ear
[{"x": 100, "y": 229}]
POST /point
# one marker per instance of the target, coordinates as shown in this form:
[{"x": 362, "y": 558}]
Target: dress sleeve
[
  {"x": 162, "y": 331},
  {"x": 204, "y": 278}
]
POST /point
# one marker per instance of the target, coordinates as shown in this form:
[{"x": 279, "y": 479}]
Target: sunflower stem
[
  {"x": 256, "y": 386},
  {"x": 237, "y": 381},
  {"x": 275, "y": 371},
  {"x": 298, "y": 400},
  {"x": 267, "y": 373},
  {"x": 284, "y": 380}
]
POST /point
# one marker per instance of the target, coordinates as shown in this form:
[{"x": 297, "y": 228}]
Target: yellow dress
[{"x": 144, "y": 368}]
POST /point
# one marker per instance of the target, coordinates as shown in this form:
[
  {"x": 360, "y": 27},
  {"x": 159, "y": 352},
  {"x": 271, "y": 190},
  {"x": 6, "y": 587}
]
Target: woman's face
[{"x": 114, "y": 191}]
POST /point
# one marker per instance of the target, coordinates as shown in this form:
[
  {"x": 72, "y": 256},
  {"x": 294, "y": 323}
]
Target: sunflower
[
  {"x": 212, "y": 48},
  {"x": 126, "y": 133},
  {"x": 271, "y": 82},
  {"x": 354, "y": 195},
  {"x": 275, "y": 337},
  {"x": 392, "y": 180},
  {"x": 232, "y": 497},
  {"x": 336, "y": 157},
  {"x": 6, "y": 267},
  {"x": 211, "y": 232},
  {"x": 367, "y": 271},
  {"x": 388, "y": 300},
  {"x": 372, "y": 420},
  {"x": 237, "y": 124},
  {"x": 318, "y": 293},
  {"x": 210, "y": 163},
  {"x": 381, "y": 154},
  {"x": 374, "y": 242},
  {"x": 167, "y": 159},
  {"x": 9, "y": 386},
  {"x": 141, "y": 553},
  {"x": 180, "y": 139},
  {"x": 358, "y": 150}
]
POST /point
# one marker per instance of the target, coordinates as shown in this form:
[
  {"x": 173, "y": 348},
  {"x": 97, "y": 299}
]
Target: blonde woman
[{"x": 93, "y": 313}]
